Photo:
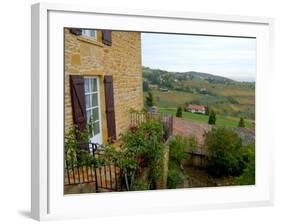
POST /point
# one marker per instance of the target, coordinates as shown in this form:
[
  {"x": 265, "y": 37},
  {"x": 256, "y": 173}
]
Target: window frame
[
  {"x": 87, "y": 33},
  {"x": 90, "y": 93}
]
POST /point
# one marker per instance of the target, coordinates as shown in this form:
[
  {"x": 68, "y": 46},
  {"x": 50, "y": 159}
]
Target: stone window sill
[{"x": 91, "y": 41}]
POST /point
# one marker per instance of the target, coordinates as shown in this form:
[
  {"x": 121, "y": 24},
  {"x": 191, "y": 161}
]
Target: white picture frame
[{"x": 48, "y": 201}]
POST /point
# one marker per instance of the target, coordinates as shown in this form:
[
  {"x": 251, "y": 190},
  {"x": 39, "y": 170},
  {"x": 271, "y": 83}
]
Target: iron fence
[{"x": 88, "y": 174}]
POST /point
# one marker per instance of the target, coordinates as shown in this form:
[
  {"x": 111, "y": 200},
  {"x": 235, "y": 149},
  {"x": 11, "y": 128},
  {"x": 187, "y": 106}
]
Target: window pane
[
  {"x": 95, "y": 114},
  {"x": 88, "y": 103},
  {"x": 93, "y": 33},
  {"x": 86, "y": 84},
  {"x": 96, "y": 128},
  {"x": 88, "y": 116},
  {"x": 93, "y": 85},
  {"x": 94, "y": 100}
]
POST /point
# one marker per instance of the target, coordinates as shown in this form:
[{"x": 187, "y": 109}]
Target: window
[
  {"x": 92, "y": 104},
  {"x": 90, "y": 33}
]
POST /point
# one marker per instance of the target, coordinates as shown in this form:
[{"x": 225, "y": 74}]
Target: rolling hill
[{"x": 223, "y": 95}]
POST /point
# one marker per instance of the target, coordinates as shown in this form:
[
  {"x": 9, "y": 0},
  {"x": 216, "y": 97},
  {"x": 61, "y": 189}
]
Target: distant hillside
[
  {"x": 207, "y": 76},
  {"x": 156, "y": 75},
  {"x": 225, "y": 96}
]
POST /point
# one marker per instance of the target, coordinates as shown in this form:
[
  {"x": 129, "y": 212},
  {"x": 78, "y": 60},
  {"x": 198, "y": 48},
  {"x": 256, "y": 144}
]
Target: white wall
[{"x": 15, "y": 109}]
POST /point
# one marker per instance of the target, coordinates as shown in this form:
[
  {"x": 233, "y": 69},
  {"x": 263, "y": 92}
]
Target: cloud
[{"x": 228, "y": 56}]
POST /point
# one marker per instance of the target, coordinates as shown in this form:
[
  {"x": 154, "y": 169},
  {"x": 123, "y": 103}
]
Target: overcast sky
[{"x": 230, "y": 57}]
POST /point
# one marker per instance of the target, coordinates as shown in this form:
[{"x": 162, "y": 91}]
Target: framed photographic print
[{"x": 148, "y": 111}]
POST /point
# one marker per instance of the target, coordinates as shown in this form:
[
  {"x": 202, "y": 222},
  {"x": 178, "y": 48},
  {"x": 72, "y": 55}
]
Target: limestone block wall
[{"x": 122, "y": 60}]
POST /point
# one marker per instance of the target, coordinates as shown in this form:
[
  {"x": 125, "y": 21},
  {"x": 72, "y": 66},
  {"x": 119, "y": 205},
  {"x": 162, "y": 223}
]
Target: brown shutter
[
  {"x": 78, "y": 101},
  {"x": 107, "y": 37},
  {"x": 109, "y": 108},
  {"x": 76, "y": 31}
]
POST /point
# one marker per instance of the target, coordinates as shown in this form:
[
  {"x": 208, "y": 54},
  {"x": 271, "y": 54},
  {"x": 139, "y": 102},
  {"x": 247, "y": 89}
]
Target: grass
[
  {"x": 219, "y": 103},
  {"x": 221, "y": 120}
]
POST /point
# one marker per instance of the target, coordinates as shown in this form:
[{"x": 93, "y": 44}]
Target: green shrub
[
  {"x": 179, "y": 112},
  {"x": 225, "y": 152},
  {"x": 192, "y": 144},
  {"x": 174, "y": 179},
  {"x": 241, "y": 123},
  {"x": 212, "y": 117},
  {"x": 140, "y": 185},
  {"x": 150, "y": 100},
  {"x": 178, "y": 149},
  {"x": 248, "y": 175},
  {"x": 145, "y": 146}
]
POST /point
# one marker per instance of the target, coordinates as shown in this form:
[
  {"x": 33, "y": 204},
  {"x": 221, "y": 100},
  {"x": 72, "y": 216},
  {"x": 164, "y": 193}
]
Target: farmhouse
[
  {"x": 193, "y": 108},
  {"x": 103, "y": 80}
]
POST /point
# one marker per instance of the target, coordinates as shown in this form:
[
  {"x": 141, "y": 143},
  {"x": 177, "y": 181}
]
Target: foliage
[
  {"x": 150, "y": 100},
  {"x": 178, "y": 152},
  {"x": 140, "y": 185},
  {"x": 145, "y": 146},
  {"x": 174, "y": 179},
  {"x": 179, "y": 112},
  {"x": 142, "y": 146},
  {"x": 248, "y": 175},
  {"x": 73, "y": 139},
  {"x": 178, "y": 149},
  {"x": 225, "y": 153},
  {"x": 212, "y": 118},
  {"x": 241, "y": 123},
  {"x": 192, "y": 143}
]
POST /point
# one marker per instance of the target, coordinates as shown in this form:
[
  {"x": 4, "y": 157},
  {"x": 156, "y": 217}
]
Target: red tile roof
[{"x": 195, "y": 107}]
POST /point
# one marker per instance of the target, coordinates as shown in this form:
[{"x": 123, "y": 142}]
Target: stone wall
[{"x": 122, "y": 60}]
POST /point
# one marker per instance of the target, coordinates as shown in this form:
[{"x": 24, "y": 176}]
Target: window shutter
[
  {"x": 78, "y": 101},
  {"x": 107, "y": 37},
  {"x": 76, "y": 31},
  {"x": 109, "y": 108}
]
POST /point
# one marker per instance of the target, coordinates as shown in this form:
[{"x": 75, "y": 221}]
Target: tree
[
  {"x": 150, "y": 100},
  {"x": 241, "y": 123},
  {"x": 212, "y": 117},
  {"x": 248, "y": 175},
  {"x": 179, "y": 112},
  {"x": 225, "y": 152}
]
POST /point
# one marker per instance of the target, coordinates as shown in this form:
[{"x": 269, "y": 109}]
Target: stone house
[{"x": 103, "y": 80}]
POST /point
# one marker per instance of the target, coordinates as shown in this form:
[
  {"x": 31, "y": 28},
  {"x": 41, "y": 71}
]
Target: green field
[
  {"x": 221, "y": 120},
  {"x": 245, "y": 106}
]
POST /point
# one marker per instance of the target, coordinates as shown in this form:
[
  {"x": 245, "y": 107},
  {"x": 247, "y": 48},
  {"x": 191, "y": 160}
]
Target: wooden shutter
[
  {"x": 76, "y": 31},
  {"x": 78, "y": 101},
  {"x": 109, "y": 108},
  {"x": 107, "y": 37}
]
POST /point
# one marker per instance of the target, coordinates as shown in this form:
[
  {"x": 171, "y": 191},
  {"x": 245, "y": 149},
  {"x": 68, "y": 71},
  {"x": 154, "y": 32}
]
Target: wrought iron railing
[{"x": 84, "y": 169}]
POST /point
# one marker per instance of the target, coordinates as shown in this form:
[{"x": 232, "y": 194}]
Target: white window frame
[
  {"x": 90, "y": 93},
  {"x": 88, "y": 33}
]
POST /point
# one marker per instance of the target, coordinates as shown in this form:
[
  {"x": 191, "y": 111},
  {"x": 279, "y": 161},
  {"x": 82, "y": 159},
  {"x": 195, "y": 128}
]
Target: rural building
[
  {"x": 193, "y": 108},
  {"x": 103, "y": 80}
]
